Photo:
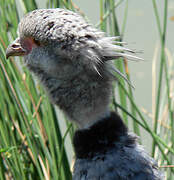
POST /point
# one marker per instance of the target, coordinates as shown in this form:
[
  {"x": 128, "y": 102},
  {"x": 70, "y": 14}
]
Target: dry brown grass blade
[
  {"x": 43, "y": 132},
  {"x": 24, "y": 141},
  {"x": 46, "y": 174},
  {"x": 14, "y": 93}
]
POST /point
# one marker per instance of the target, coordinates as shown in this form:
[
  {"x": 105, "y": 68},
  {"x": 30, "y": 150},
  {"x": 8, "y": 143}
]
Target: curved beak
[{"x": 15, "y": 49}]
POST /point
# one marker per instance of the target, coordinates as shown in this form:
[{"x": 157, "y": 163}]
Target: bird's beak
[{"x": 15, "y": 49}]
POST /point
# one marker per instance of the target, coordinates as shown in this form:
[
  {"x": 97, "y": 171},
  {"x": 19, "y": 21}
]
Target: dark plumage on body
[
  {"x": 72, "y": 60},
  {"x": 107, "y": 151}
]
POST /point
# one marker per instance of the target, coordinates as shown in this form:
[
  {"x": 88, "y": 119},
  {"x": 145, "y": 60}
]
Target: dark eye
[{"x": 37, "y": 42}]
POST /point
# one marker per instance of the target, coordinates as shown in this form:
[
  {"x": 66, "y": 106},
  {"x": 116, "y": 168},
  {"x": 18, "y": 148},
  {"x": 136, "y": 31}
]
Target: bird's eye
[{"x": 37, "y": 42}]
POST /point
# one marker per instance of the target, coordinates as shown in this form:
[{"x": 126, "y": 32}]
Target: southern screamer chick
[{"x": 72, "y": 60}]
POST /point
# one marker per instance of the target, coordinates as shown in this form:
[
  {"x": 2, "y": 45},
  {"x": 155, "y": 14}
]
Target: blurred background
[{"x": 33, "y": 132}]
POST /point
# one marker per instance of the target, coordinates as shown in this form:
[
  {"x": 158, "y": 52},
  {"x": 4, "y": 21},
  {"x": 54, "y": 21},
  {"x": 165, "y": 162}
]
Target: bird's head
[
  {"x": 53, "y": 40},
  {"x": 71, "y": 59}
]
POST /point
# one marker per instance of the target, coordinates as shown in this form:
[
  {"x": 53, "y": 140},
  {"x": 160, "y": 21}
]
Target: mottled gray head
[{"x": 70, "y": 57}]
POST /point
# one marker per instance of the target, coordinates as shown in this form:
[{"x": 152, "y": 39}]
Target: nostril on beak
[{"x": 15, "y": 46}]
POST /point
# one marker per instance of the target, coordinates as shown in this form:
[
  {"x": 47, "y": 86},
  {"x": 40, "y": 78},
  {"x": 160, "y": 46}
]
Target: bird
[{"x": 74, "y": 62}]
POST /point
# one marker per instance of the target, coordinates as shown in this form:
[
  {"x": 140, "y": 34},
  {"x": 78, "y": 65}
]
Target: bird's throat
[{"x": 84, "y": 98}]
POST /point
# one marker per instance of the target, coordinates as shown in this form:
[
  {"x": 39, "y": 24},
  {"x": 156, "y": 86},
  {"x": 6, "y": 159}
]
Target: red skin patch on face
[{"x": 28, "y": 44}]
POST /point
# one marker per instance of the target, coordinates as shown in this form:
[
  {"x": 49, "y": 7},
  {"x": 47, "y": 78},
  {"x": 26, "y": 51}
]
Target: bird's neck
[
  {"x": 91, "y": 117},
  {"x": 84, "y": 97},
  {"x": 84, "y": 101}
]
